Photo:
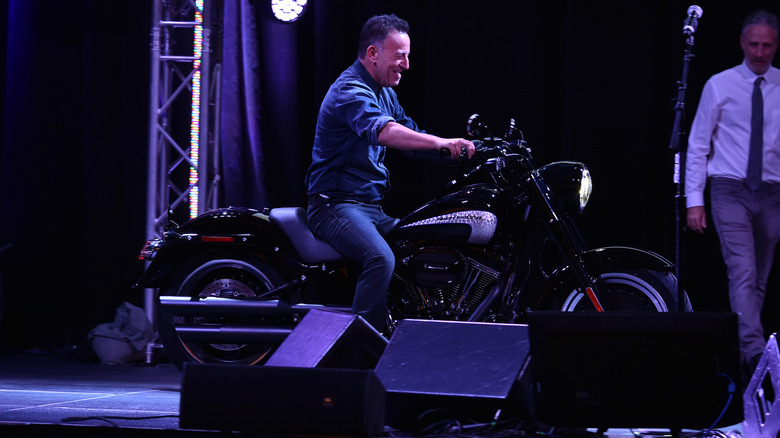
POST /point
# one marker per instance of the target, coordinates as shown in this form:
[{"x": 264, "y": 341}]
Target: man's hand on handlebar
[{"x": 457, "y": 148}]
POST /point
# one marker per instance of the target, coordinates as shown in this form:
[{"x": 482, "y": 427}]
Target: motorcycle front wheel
[
  {"x": 623, "y": 290},
  {"x": 205, "y": 337}
]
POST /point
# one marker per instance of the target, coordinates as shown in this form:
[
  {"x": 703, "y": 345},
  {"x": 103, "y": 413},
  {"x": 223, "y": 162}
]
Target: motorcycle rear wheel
[
  {"x": 630, "y": 290},
  {"x": 215, "y": 277}
]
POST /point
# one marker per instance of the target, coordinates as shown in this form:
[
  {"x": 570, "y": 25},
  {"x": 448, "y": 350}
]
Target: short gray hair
[{"x": 761, "y": 17}]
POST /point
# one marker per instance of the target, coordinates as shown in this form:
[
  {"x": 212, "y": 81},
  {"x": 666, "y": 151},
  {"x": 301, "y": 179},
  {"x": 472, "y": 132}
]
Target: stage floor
[{"x": 51, "y": 394}]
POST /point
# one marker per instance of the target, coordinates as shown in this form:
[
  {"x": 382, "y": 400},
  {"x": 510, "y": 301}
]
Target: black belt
[
  {"x": 319, "y": 198},
  {"x": 728, "y": 178}
]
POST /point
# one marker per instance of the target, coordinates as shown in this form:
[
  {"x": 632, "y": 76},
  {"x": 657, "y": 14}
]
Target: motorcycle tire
[
  {"x": 621, "y": 290},
  {"x": 204, "y": 277}
]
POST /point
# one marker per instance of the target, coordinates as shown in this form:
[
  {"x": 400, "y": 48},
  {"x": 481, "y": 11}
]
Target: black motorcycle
[{"x": 500, "y": 241}]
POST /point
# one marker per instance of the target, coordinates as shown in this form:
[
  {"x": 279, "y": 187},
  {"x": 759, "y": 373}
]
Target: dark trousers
[
  {"x": 748, "y": 226},
  {"x": 353, "y": 229}
]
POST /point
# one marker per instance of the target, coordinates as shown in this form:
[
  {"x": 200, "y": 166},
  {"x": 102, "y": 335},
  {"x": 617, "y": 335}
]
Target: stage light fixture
[
  {"x": 197, "y": 49},
  {"x": 288, "y": 10}
]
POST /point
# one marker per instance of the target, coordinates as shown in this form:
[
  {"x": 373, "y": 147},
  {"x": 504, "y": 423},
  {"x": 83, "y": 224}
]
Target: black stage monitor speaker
[
  {"x": 665, "y": 370},
  {"x": 318, "y": 401},
  {"x": 452, "y": 370},
  {"x": 327, "y": 339}
]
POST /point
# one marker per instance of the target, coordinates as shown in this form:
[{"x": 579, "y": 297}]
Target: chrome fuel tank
[{"x": 471, "y": 215}]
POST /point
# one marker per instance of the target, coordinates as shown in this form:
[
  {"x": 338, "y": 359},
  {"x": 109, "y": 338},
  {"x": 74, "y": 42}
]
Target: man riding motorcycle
[{"x": 359, "y": 117}]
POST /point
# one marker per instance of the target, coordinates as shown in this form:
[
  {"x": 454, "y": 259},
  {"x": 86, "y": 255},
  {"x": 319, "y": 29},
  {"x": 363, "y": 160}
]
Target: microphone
[{"x": 692, "y": 21}]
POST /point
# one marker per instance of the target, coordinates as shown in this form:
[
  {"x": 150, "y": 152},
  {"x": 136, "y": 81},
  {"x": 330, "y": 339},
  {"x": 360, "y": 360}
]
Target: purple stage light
[{"x": 288, "y": 10}]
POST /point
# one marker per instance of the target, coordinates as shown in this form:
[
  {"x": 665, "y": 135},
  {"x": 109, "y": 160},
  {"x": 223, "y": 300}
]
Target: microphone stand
[{"x": 679, "y": 166}]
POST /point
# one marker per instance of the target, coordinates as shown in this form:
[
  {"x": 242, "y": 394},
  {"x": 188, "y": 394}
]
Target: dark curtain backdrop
[{"x": 588, "y": 81}]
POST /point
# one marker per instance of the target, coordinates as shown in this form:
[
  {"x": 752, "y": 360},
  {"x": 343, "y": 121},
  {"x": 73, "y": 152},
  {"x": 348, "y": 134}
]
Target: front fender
[
  {"x": 224, "y": 230},
  {"x": 615, "y": 257},
  {"x": 597, "y": 260},
  {"x": 626, "y": 257}
]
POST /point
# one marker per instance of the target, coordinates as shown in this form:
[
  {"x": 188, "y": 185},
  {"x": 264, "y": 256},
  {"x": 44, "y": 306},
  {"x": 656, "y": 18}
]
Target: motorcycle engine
[{"x": 442, "y": 283}]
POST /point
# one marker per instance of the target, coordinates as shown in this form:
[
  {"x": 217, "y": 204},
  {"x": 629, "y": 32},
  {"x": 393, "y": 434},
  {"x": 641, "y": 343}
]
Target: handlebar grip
[{"x": 444, "y": 152}]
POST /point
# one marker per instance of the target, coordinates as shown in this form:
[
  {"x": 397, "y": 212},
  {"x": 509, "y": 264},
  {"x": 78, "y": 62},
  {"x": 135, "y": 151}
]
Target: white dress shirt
[{"x": 720, "y": 134}]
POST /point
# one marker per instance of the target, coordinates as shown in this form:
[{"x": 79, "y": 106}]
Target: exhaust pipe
[
  {"x": 233, "y": 334},
  {"x": 212, "y": 332},
  {"x": 213, "y": 306}
]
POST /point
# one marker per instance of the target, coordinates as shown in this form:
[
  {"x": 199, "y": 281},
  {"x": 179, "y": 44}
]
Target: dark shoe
[
  {"x": 749, "y": 368},
  {"x": 753, "y": 363}
]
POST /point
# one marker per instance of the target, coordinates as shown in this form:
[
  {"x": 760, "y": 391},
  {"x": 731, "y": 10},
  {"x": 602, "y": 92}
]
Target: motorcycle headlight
[
  {"x": 586, "y": 187},
  {"x": 570, "y": 182}
]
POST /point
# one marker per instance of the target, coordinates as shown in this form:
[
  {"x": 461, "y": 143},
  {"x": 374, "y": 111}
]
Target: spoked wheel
[
  {"x": 637, "y": 290},
  {"x": 236, "y": 337}
]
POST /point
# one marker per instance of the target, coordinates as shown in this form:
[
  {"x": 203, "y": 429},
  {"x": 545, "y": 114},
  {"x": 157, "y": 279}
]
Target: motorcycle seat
[{"x": 310, "y": 248}]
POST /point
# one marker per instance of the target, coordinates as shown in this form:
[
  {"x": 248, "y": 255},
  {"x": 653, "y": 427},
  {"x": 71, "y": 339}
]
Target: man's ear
[{"x": 372, "y": 53}]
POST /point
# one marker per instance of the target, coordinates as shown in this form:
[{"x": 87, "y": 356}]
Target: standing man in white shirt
[{"x": 745, "y": 204}]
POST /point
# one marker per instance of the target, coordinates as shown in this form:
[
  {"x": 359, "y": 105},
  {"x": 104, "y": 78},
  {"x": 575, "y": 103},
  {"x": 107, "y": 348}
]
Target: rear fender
[{"x": 226, "y": 230}]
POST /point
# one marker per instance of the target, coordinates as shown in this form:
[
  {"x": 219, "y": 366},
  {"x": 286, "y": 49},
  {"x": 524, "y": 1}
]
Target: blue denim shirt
[{"x": 347, "y": 161}]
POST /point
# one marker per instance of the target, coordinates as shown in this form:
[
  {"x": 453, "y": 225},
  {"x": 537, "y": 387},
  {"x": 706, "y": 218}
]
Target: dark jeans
[
  {"x": 748, "y": 226},
  {"x": 353, "y": 229}
]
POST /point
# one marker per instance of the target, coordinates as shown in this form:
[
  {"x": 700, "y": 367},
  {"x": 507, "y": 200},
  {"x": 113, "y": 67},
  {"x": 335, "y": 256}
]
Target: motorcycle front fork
[{"x": 572, "y": 246}]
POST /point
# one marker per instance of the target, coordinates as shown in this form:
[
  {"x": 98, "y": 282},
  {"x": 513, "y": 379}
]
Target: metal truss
[
  {"x": 183, "y": 175},
  {"x": 760, "y": 397}
]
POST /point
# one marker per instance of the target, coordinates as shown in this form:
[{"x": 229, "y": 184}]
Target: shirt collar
[
  {"x": 770, "y": 76},
  {"x": 366, "y": 76}
]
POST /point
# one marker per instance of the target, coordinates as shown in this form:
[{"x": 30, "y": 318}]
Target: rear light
[
  {"x": 217, "y": 239},
  {"x": 150, "y": 247}
]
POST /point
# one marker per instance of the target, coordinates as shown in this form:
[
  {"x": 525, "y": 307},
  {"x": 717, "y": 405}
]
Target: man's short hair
[
  {"x": 377, "y": 28},
  {"x": 761, "y": 17}
]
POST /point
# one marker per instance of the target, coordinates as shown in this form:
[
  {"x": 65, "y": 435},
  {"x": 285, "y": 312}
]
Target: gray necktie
[{"x": 755, "y": 162}]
